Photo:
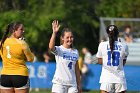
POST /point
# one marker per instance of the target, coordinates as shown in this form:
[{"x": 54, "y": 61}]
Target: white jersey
[
  {"x": 65, "y": 66},
  {"x": 112, "y": 67},
  {"x": 88, "y": 58}
]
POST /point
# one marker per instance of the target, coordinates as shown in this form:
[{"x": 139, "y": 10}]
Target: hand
[{"x": 55, "y": 26}]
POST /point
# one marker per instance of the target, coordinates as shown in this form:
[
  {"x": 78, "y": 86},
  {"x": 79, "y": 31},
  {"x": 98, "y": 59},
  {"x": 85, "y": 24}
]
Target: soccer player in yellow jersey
[{"x": 14, "y": 53}]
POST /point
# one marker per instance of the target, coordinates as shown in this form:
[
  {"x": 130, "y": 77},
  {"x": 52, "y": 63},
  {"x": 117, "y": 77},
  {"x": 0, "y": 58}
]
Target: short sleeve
[
  {"x": 99, "y": 52},
  {"x": 77, "y": 55},
  {"x": 56, "y": 50},
  {"x": 126, "y": 51}
]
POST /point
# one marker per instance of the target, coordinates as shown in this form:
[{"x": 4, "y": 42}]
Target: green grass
[{"x": 49, "y": 91}]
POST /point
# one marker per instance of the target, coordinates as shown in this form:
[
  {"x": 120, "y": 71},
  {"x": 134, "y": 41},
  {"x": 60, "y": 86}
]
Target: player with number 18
[{"x": 112, "y": 54}]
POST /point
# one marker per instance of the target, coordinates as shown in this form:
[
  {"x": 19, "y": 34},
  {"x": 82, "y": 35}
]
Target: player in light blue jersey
[
  {"x": 67, "y": 75},
  {"x": 112, "y": 55}
]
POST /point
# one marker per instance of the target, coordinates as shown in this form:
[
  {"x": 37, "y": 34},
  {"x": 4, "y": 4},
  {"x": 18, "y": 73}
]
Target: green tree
[
  {"x": 82, "y": 19},
  {"x": 118, "y": 8},
  {"x": 37, "y": 16}
]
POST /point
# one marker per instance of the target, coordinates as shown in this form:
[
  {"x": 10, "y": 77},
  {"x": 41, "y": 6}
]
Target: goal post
[{"x": 120, "y": 23}]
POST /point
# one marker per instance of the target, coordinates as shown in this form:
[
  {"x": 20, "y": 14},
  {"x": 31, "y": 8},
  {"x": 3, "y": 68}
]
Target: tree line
[{"x": 82, "y": 16}]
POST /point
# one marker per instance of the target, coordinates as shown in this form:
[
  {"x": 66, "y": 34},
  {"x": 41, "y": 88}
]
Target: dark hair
[
  {"x": 63, "y": 33},
  {"x": 9, "y": 29},
  {"x": 128, "y": 26},
  {"x": 112, "y": 32}
]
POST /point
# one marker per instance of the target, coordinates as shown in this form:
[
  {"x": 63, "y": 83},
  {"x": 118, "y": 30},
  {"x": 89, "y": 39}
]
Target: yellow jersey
[
  {"x": 80, "y": 63},
  {"x": 14, "y": 54}
]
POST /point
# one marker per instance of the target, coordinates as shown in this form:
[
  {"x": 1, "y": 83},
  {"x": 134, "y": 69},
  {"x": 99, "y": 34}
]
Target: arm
[
  {"x": 99, "y": 54},
  {"x": 52, "y": 42},
  {"x": 55, "y": 28},
  {"x": 100, "y": 61},
  {"x": 0, "y": 49},
  {"x": 126, "y": 54},
  {"x": 77, "y": 72},
  {"x": 27, "y": 52},
  {"x": 124, "y": 61}
]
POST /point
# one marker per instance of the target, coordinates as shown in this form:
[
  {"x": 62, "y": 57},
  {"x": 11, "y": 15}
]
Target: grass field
[{"x": 49, "y": 91}]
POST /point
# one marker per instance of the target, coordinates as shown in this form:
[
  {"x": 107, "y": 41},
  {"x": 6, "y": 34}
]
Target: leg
[
  {"x": 106, "y": 88},
  {"x": 22, "y": 90},
  {"x": 123, "y": 92},
  {"x": 72, "y": 89},
  {"x": 120, "y": 88},
  {"x": 22, "y": 86},
  {"x": 6, "y": 84},
  {"x": 36, "y": 89},
  {"x": 11, "y": 90},
  {"x": 57, "y": 88},
  {"x": 102, "y": 91}
]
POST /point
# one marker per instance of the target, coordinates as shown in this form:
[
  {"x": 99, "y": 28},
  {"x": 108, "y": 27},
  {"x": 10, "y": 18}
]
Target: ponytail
[
  {"x": 10, "y": 28},
  {"x": 112, "y": 32},
  {"x": 111, "y": 42},
  {"x": 5, "y": 36}
]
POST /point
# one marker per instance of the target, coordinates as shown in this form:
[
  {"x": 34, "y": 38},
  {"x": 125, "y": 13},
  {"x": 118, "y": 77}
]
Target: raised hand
[{"x": 55, "y": 26}]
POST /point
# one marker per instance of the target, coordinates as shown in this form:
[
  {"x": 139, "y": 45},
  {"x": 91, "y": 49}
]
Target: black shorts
[{"x": 16, "y": 81}]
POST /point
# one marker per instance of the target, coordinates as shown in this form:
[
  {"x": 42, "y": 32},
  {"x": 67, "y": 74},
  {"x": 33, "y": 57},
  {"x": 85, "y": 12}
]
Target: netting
[{"x": 121, "y": 23}]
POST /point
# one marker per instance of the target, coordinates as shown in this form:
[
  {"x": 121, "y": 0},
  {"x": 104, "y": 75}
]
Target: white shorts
[
  {"x": 113, "y": 87},
  {"x": 57, "y": 88}
]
